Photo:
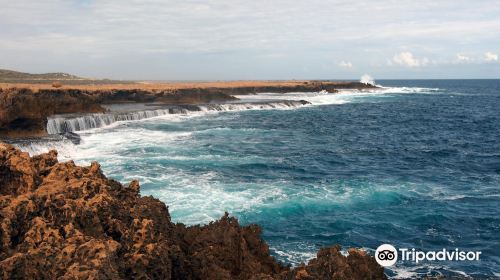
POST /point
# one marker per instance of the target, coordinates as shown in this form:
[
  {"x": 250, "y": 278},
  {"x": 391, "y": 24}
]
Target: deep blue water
[{"x": 416, "y": 166}]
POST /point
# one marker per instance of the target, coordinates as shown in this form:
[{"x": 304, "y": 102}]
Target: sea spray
[
  {"x": 367, "y": 79},
  {"x": 57, "y": 125},
  {"x": 65, "y": 147}
]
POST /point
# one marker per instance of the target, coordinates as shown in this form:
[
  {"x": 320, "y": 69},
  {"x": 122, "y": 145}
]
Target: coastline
[
  {"x": 24, "y": 108},
  {"x": 243, "y": 86},
  {"x": 59, "y": 217},
  {"x": 186, "y": 137},
  {"x": 231, "y": 140},
  {"x": 63, "y": 220}
]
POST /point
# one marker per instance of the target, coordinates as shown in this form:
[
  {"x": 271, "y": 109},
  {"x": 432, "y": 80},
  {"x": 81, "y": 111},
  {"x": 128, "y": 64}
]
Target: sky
[{"x": 234, "y": 39}]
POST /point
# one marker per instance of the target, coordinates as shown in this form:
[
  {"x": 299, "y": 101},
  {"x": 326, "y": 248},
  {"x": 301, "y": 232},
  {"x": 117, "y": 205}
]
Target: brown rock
[
  {"x": 62, "y": 221},
  {"x": 331, "y": 264},
  {"x": 24, "y": 112}
]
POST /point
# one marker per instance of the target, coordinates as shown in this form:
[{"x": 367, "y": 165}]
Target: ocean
[{"x": 415, "y": 164}]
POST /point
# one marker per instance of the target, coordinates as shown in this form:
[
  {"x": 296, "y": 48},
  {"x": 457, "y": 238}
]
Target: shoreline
[
  {"x": 25, "y": 109},
  {"x": 96, "y": 85},
  {"x": 63, "y": 220}
]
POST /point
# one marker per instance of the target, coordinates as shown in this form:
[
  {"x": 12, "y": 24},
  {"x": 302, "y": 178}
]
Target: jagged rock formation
[{"x": 62, "y": 221}]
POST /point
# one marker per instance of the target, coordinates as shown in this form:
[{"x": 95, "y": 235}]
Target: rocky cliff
[
  {"x": 62, "y": 221},
  {"x": 24, "y": 111}
]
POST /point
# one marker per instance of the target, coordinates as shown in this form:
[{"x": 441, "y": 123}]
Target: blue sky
[{"x": 233, "y": 39}]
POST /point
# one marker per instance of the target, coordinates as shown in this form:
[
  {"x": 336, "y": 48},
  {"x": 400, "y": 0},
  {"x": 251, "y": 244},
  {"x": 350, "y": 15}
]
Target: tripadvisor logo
[{"x": 387, "y": 255}]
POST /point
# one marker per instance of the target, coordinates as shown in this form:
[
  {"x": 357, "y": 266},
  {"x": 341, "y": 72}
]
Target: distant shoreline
[
  {"x": 25, "y": 108},
  {"x": 249, "y": 86}
]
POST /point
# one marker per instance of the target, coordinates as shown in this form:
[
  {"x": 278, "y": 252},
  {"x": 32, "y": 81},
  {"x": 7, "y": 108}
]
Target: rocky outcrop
[
  {"x": 331, "y": 264},
  {"x": 312, "y": 86},
  {"x": 189, "y": 96},
  {"x": 24, "y": 112},
  {"x": 62, "y": 221}
]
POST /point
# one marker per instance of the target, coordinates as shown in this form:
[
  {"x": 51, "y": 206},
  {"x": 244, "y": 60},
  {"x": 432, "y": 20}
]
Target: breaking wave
[
  {"x": 65, "y": 148},
  {"x": 367, "y": 79},
  {"x": 57, "y": 125}
]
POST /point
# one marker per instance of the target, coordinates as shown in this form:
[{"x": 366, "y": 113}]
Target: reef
[{"x": 63, "y": 221}]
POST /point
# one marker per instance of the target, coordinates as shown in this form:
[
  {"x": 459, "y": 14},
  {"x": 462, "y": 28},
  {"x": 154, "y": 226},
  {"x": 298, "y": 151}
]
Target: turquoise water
[{"x": 415, "y": 165}]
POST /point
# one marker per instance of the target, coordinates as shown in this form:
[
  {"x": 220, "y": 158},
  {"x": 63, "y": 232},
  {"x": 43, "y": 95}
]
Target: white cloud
[
  {"x": 463, "y": 58},
  {"x": 345, "y": 64},
  {"x": 407, "y": 59},
  {"x": 128, "y": 34},
  {"x": 489, "y": 56}
]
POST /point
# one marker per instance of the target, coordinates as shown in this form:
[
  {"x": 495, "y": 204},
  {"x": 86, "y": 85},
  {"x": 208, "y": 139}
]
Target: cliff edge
[
  {"x": 24, "y": 109},
  {"x": 62, "y": 221},
  {"x": 24, "y": 112}
]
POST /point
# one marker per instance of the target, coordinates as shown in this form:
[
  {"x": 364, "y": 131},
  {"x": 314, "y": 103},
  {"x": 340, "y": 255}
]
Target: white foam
[
  {"x": 182, "y": 191},
  {"x": 408, "y": 90},
  {"x": 294, "y": 256},
  {"x": 403, "y": 273},
  {"x": 90, "y": 122},
  {"x": 61, "y": 124},
  {"x": 419, "y": 271},
  {"x": 315, "y": 98},
  {"x": 455, "y": 197},
  {"x": 120, "y": 140},
  {"x": 65, "y": 148},
  {"x": 367, "y": 79},
  {"x": 342, "y": 97}
]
